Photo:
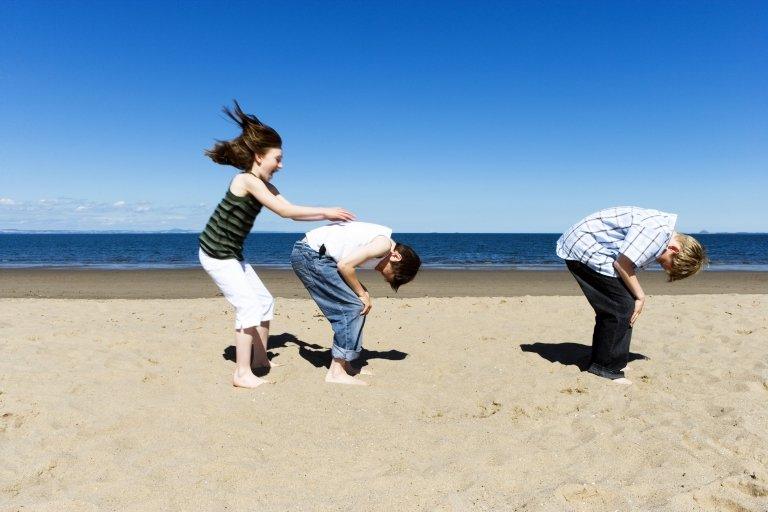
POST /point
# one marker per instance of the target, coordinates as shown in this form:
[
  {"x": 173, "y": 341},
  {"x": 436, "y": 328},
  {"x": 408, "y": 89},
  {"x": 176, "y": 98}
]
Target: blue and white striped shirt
[{"x": 640, "y": 234}]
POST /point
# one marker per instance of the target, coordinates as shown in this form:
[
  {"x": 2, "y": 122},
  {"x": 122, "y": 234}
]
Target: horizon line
[{"x": 191, "y": 231}]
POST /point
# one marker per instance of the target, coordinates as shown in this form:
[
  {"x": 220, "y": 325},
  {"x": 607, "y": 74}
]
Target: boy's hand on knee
[
  {"x": 639, "y": 303},
  {"x": 366, "y": 298}
]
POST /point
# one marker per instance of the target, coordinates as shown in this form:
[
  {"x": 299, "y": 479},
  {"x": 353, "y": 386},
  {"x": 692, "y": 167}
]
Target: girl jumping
[{"x": 257, "y": 153}]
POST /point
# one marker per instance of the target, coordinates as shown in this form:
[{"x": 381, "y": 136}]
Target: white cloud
[{"x": 63, "y": 213}]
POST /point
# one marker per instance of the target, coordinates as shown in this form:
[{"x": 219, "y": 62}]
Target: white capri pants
[{"x": 242, "y": 288}]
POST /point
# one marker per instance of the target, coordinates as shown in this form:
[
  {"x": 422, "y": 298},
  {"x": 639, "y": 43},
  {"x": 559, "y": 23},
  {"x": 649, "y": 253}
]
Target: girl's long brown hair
[{"x": 255, "y": 139}]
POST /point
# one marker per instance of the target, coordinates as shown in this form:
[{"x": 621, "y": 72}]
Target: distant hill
[
  {"x": 111, "y": 232},
  {"x": 88, "y": 232}
]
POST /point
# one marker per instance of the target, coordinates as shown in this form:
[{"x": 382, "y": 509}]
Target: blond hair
[{"x": 691, "y": 258}]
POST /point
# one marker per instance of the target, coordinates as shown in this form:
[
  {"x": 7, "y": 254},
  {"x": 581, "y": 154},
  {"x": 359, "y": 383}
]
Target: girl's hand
[
  {"x": 337, "y": 213},
  {"x": 366, "y": 299}
]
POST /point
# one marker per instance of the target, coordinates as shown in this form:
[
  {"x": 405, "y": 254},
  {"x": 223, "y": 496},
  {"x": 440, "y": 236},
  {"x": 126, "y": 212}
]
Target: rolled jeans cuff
[
  {"x": 345, "y": 354},
  {"x": 601, "y": 371}
]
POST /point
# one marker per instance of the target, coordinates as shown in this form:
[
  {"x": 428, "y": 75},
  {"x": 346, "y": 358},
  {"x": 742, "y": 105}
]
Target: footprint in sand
[
  {"x": 5, "y": 420},
  {"x": 574, "y": 391},
  {"x": 746, "y": 493},
  {"x": 484, "y": 410},
  {"x": 717, "y": 411},
  {"x": 487, "y": 410},
  {"x": 583, "y": 497},
  {"x": 13, "y": 420}
]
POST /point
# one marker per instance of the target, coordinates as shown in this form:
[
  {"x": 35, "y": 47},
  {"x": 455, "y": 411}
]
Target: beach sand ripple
[{"x": 477, "y": 404}]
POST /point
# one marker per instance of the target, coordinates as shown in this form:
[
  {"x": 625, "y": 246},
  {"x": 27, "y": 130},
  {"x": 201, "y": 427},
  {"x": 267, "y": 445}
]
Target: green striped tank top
[{"x": 227, "y": 228}]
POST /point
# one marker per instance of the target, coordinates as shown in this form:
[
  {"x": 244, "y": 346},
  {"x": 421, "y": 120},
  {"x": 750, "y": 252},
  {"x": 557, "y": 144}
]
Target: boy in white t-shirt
[{"x": 326, "y": 260}]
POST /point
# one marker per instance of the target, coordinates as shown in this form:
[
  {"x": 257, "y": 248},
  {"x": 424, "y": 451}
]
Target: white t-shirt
[{"x": 342, "y": 238}]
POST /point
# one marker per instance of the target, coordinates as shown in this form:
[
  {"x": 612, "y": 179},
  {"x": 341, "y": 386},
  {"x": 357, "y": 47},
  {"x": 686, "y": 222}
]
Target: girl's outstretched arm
[
  {"x": 282, "y": 198},
  {"x": 270, "y": 197}
]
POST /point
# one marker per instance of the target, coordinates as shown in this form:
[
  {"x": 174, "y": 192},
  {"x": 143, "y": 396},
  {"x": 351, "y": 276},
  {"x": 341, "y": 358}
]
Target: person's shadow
[
  {"x": 567, "y": 353},
  {"x": 316, "y": 355}
]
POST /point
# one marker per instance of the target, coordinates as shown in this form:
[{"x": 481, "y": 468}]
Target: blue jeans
[{"x": 335, "y": 298}]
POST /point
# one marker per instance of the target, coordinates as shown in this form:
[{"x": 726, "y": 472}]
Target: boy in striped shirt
[{"x": 603, "y": 251}]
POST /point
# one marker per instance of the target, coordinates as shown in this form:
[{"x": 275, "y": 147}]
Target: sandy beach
[
  {"x": 115, "y": 395},
  {"x": 194, "y": 283}
]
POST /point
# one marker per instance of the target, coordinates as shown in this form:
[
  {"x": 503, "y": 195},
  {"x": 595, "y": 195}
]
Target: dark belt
[{"x": 321, "y": 251}]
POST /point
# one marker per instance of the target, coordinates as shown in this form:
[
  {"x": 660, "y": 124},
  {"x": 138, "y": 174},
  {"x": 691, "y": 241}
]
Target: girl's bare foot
[
  {"x": 265, "y": 364},
  {"x": 246, "y": 379}
]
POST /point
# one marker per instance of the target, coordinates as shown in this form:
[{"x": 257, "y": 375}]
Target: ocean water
[{"x": 438, "y": 250}]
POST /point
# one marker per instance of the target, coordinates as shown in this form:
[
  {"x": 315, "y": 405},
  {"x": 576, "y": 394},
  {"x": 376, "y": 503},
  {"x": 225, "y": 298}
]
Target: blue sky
[{"x": 426, "y": 116}]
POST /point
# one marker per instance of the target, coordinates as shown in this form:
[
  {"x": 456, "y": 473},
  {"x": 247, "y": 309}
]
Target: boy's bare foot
[
  {"x": 343, "y": 378},
  {"x": 355, "y": 370},
  {"x": 246, "y": 379},
  {"x": 622, "y": 381},
  {"x": 337, "y": 374}
]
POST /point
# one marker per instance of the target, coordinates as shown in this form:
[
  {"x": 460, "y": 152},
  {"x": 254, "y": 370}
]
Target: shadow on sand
[
  {"x": 568, "y": 353},
  {"x": 318, "y": 356}
]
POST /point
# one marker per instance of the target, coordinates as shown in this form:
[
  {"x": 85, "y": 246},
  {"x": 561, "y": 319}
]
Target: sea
[{"x": 478, "y": 251}]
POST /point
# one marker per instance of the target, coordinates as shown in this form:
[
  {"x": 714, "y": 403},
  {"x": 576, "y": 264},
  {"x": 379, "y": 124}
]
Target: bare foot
[
  {"x": 622, "y": 381},
  {"x": 343, "y": 378},
  {"x": 354, "y": 370},
  {"x": 265, "y": 364},
  {"x": 625, "y": 369},
  {"x": 246, "y": 379},
  {"x": 337, "y": 373}
]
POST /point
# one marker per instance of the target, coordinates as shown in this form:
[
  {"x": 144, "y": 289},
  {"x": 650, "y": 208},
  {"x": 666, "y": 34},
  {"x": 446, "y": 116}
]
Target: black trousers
[{"x": 613, "y": 304}]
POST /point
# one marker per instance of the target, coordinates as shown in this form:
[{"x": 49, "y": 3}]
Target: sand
[
  {"x": 478, "y": 404},
  {"x": 195, "y": 283}
]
